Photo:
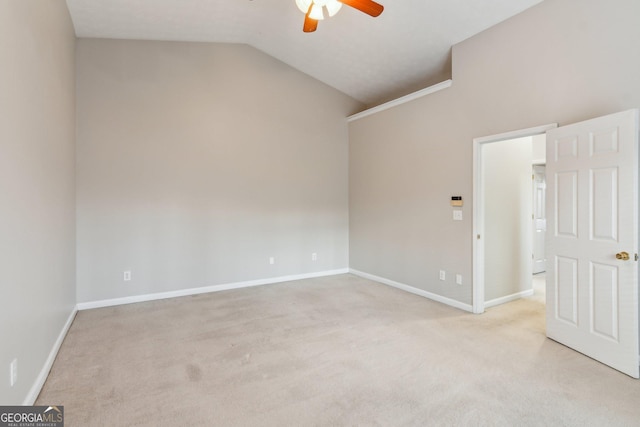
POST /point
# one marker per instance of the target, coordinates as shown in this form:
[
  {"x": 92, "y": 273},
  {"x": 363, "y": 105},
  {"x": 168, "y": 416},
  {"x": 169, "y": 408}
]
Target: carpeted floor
[{"x": 334, "y": 351}]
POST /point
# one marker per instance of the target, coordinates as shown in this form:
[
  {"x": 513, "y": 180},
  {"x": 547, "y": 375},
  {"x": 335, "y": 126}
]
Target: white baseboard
[
  {"x": 508, "y": 298},
  {"x": 205, "y": 289},
  {"x": 44, "y": 372},
  {"x": 420, "y": 292}
]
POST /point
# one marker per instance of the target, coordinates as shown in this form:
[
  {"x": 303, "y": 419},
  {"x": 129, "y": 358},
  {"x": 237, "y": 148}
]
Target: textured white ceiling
[{"x": 371, "y": 59}]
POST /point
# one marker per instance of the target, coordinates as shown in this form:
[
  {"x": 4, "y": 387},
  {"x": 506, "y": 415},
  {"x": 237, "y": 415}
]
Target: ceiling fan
[{"x": 314, "y": 10}]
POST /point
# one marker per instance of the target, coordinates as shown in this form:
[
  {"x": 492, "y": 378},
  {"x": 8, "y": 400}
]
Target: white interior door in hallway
[
  {"x": 539, "y": 219},
  {"x": 592, "y": 239}
]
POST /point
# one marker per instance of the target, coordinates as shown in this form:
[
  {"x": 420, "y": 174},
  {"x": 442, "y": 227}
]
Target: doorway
[
  {"x": 592, "y": 241},
  {"x": 503, "y": 226}
]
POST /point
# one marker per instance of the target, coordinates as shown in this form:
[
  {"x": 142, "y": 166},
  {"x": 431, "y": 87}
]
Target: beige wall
[
  {"x": 198, "y": 162},
  {"x": 561, "y": 61},
  {"x": 37, "y": 190},
  {"x": 507, "y": 230}
]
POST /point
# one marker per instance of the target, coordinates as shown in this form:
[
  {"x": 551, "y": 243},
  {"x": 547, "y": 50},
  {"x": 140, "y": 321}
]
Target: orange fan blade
[
  {"x": 309, "y": 25},
  {"x": 367, "y": 6}
]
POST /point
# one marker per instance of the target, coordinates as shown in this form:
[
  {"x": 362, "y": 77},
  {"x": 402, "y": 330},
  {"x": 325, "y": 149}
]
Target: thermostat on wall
[{"x": 456, "y": 201}]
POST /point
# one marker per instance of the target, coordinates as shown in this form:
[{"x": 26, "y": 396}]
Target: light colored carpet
[{"x": 334, "y": 351}]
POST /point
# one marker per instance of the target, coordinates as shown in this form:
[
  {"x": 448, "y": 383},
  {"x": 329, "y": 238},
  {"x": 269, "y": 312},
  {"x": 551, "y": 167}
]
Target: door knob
[{"x": 624, "y": 256}]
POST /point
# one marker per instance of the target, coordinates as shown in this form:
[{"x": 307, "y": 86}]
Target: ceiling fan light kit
[
  {"x": 317, "y": 7},
  {"x": 314, "y": 10}
]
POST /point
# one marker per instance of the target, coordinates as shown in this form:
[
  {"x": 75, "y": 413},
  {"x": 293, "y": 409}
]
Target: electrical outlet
[
  {"x": 459, "y": 279},
  {"x": 314, "y": 256},
  {"x": 127, "y": 276},
  {"x": 443, "y": 275},
  {"x": 272, "y": 260},
  {"x": 13, "y": 372}
]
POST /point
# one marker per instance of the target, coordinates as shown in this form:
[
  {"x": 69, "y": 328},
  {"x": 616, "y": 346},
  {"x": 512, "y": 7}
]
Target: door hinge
[{"x": 636, "y": 257}]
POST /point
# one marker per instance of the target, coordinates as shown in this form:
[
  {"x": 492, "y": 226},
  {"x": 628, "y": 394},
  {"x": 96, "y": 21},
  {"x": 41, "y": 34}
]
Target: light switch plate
[{"x": 457, "y": 215}]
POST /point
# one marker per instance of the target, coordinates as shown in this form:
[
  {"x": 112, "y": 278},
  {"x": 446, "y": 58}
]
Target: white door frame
[{"x": 478, "y": 206}]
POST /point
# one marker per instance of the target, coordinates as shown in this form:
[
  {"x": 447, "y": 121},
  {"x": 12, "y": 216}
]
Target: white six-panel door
[
  {"x": 592, "y": 222},
  {"x": 539, "y": 219}
]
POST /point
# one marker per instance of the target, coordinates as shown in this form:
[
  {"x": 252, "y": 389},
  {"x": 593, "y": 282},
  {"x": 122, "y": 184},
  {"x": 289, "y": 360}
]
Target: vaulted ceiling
[{"x": 371, "y": 59}]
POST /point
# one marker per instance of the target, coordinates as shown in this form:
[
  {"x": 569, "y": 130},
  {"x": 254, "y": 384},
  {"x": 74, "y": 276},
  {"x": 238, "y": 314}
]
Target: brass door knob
[{"x": 624, "y": 256}]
